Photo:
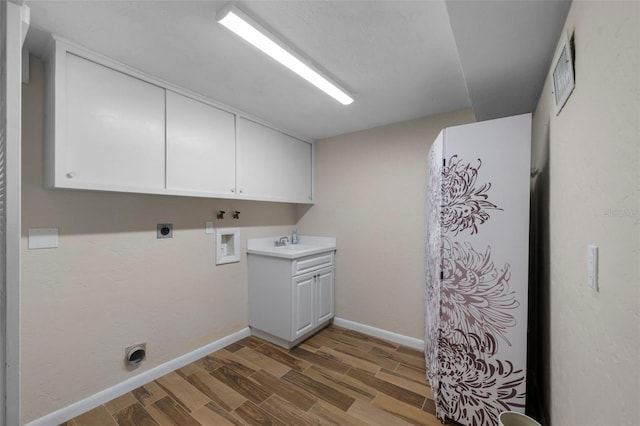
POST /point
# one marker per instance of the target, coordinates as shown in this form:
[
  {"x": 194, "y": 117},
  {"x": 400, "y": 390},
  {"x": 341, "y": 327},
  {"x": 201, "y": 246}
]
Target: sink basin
[
  {"x": 307, "y": 245},
  {"x": 295, "y": 247}
]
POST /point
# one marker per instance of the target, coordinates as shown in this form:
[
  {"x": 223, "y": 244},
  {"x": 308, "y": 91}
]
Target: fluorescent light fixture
[{"x": 241, "y": 24}]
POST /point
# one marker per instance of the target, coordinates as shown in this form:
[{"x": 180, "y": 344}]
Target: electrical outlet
[
  {"x": 592, "y": 266},
  {"x": 164, "y": 230},
  {"x": 208, "y": 227}
]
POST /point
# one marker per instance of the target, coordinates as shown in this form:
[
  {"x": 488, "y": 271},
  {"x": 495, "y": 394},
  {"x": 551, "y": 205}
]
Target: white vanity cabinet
[
  {"x": 201, "y": 151},
  {"x": 108, "y": 128},
  {"x": 272, "y": 165},
  {"x": 291, "y": 297}
]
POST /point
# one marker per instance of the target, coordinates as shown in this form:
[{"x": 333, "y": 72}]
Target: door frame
[{"x": 17, "y": 19}]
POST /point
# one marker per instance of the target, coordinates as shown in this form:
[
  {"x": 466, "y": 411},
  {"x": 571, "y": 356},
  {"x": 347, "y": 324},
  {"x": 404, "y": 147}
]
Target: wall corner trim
[
  {"x": 412, "y": 342},
  {"x": 67, "y": 413}
]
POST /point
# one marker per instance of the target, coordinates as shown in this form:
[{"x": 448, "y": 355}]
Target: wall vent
[{"x": 562, "y": 76}]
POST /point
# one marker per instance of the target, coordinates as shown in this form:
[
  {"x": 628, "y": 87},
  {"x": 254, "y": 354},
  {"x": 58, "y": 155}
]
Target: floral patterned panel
[
  {"x": 464, "y": 203},
  {"x": 433, "y": 244},
  {"x": 470, "y": 306},
  {"x": 475, "y": 300}
]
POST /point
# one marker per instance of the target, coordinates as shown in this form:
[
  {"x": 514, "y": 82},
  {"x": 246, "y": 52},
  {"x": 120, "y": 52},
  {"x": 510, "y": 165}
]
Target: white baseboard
[
  {"x": 67, "y": 413},
  {"x": 412, "y": 342}
]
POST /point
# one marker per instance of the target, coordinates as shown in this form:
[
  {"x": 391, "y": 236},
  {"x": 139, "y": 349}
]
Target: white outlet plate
[
  {"x": 208, "y": 227},
  {"x": 42, "y": 238},
  {"x": 592, "y": 266}
]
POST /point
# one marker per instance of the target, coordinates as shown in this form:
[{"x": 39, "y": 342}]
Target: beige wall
[
  {"x": 370, "y": 194},
  {"x": 594, "y": 198},
  {"x": 111, "y": 283}
]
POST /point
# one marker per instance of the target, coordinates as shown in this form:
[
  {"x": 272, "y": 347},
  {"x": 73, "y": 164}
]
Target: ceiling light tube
[{"x": 241, "y": 24}]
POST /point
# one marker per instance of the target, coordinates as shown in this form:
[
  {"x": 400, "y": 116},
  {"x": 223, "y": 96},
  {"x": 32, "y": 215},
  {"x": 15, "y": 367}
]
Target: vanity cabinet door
[
  {"x": 201, "y": 150},
  {"x": 312, "y": 301},
  {"x": 272, "y": 165},
  {"x": 114, "y": 130},
  {"x": 303, "y": 304},
  {"x": 324, "y": 288}
]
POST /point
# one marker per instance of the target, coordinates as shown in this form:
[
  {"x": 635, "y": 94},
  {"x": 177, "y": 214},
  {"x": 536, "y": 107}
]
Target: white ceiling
[{"x": 400, "y": 59}]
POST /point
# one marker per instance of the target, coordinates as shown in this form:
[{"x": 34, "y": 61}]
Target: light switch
[
  {"x": 592, "y": 266},
  {"x": 41, "y": 238}
]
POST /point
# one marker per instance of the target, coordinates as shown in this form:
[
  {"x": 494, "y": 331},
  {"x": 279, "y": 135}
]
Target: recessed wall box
[
  {"x": 164, "y": 230},
  {"x": 227, "y": 245}
]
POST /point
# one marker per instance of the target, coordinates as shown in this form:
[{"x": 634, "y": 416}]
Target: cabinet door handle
[
  {"x": 71, "y": 175},
  {"x": 233, "y": 190}
]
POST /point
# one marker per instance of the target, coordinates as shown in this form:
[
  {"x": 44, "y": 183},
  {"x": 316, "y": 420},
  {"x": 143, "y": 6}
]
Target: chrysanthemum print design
[
  {"x": 470, "y": 305},
  {"x": 433, "y": 239},
  {"x": 464, "y": 206},
  {"x": 476, "y": 303},
  {"x": 474, "y": 390}
]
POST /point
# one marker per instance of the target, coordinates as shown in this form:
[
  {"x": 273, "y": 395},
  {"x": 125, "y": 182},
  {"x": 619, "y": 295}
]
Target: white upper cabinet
[
  {"x": 114, "y": 130},
  {"x": 201, "y": 150},
  {"x": 272, "y": 165}
]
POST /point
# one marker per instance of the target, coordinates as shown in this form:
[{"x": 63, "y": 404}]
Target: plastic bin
[{"x": 511, "y": 418}]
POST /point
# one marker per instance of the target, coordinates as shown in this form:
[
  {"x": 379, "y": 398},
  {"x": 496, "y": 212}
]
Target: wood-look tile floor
[{"x": 338, "y": 377}]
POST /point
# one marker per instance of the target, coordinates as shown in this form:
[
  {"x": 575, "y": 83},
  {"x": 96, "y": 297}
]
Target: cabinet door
[
  {"x": 114, "y": 130},
  {"x": 486, "y": 188},
  {"x": 201, "y": 150},
  {"x": 484, "y": 212},
  {"x": 324, "y": 284},
  {"x": 303, "y": 298},
  {"x": 272, "y": 165}
]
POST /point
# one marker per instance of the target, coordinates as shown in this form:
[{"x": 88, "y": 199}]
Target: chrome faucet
[{"x": 282, "y": 241}]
